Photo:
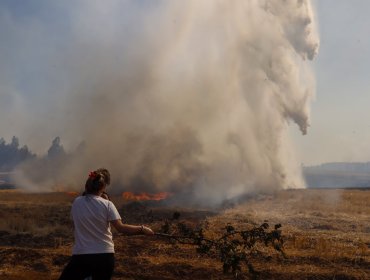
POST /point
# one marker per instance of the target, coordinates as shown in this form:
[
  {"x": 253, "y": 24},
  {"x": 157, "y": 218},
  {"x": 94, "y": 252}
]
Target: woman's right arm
[{"x": 131, "y": 229}]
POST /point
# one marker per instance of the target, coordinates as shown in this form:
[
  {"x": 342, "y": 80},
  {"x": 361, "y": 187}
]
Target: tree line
[{"x": 12, "y": 154}]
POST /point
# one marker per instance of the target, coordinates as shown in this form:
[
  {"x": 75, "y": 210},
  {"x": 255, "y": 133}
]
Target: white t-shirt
[{"x": 91, "y": 215}]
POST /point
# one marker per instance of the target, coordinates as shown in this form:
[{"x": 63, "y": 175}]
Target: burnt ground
[{"x": 326, "y": 233}]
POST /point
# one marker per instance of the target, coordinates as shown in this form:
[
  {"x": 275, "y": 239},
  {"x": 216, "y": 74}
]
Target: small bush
[{"x": 234, "y": 248}]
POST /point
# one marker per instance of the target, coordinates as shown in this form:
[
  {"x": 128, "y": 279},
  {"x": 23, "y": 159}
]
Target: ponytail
[{"x": 97, "y": 180}]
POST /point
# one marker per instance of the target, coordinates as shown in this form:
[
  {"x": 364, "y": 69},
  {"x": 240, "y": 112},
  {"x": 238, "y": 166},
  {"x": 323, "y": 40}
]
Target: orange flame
[
  {"x": 64, "y": 190},
  {"x": 145, "y": 196},
  {"x": 73, "y": 194}
]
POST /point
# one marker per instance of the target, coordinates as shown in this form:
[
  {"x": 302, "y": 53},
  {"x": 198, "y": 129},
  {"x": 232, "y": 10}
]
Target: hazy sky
[{"x": 340, "y": 117}]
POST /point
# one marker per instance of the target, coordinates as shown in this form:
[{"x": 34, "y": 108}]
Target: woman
[{"x": 92, "y": 214}]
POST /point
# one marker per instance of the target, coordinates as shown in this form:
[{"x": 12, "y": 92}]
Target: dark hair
[
  {"x": 97, "y": 180},
  {"x": 106, "y": 174}
]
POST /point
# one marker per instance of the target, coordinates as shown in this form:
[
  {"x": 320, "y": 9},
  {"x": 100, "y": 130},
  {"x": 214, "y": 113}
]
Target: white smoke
[{"x": 186, "y": 95}]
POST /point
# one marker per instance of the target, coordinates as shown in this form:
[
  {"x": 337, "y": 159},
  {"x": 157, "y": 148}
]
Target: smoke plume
[{"x": 179, "y": 96}]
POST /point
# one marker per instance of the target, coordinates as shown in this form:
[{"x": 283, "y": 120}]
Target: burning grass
[
  {"x": 326, "y": 233},
  {"x": 129, "y": 196}
]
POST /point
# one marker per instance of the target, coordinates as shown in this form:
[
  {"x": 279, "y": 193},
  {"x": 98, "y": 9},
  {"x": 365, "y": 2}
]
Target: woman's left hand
[{"x": 147, "y": 230}]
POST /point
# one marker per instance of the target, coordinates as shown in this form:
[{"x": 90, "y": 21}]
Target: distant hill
[{"x": 338, "y": 175}]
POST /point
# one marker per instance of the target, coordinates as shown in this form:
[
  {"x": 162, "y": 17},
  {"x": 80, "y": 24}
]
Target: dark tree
[
  {"x": 56, "y": 150},
  {"x": 11, "y": 155}
]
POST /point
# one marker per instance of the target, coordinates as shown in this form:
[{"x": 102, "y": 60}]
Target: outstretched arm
[{"x": 131, "y": 229}]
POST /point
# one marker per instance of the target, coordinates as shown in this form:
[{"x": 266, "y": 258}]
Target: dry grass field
[{"x": 326, "y": 233}]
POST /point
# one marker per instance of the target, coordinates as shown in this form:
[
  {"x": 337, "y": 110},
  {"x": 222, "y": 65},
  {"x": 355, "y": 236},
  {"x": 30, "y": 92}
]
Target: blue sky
[{"x": 32, "y": 32}]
